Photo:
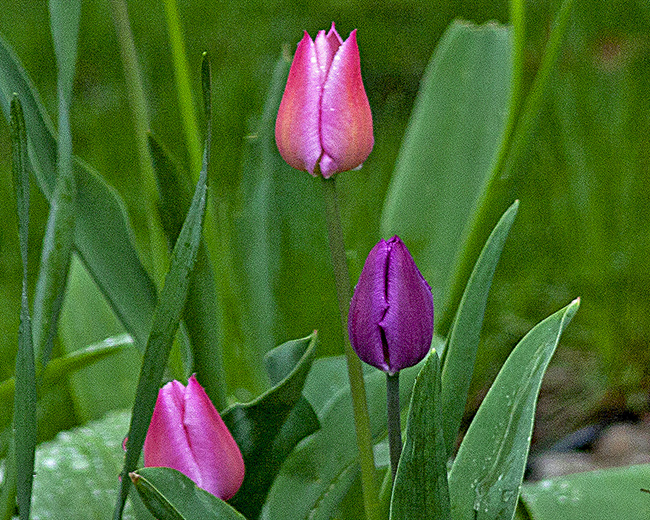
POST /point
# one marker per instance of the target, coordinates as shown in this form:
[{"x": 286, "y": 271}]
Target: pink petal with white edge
[
  {"x": 326, "y": 47},
  {"x": 297, "y": 126},
  {"x": 346, "y": 120},
  {"x": 212, "y": 445}
]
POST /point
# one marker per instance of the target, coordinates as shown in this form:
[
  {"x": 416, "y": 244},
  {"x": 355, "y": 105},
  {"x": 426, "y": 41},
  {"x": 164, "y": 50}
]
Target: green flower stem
[
  {"x": 355, "y": 374},
  {"x": 394, "y": 425}
]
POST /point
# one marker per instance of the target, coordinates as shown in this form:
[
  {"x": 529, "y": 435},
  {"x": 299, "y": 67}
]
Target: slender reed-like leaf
[
  {"x": 166, "y": 320},
  {"x": 25, "y": 396}
]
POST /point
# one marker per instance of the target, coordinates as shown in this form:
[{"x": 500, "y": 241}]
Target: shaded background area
[{"x": 582, "y": 226}]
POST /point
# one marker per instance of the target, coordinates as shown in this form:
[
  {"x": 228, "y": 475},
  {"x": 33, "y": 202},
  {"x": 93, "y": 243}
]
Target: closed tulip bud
[
  {"x": 391, "y": 314},
  {"x": 187, "y": 433},
  {"x": 324, "y": 118}
]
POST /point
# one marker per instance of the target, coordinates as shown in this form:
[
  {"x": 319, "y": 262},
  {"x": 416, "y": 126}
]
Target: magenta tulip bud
[
  {"x": 391, "y": 314},
  {"x": 187, "y": 433},
  {"x": 324, "y": 117}
]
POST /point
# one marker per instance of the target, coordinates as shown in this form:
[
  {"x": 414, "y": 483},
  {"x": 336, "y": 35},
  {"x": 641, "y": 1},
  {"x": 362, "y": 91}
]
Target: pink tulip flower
[
  {"x": 187, "y": 433},
  {"x": 324, "y": 119}
]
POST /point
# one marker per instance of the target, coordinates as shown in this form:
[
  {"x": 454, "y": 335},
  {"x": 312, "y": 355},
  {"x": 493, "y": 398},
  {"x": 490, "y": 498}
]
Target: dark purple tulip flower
[{"x": 391, "y": 314}]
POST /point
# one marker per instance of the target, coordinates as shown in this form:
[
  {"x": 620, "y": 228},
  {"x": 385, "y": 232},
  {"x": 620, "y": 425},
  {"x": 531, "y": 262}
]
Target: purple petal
[
  {"x": 368, "y": 307},
  {"x": 408, "y": 323}
]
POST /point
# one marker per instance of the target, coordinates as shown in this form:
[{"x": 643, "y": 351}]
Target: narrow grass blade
[
  {"x": 165, "y": 323},
  {"x": 25, "y": 396}
]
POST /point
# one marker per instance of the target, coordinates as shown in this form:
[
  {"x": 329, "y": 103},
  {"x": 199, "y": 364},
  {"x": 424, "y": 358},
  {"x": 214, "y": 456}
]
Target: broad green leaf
[
  {"x": 268, "y": 428},
  {"x": 201, "y": 314},
  {"x": 420, "y": 490},
  {"x": 76, "y": 473},
  {"x": 25, "y": 395},
  {"x": 596, "y": 495},
  {"x": 321, "y": 470},
  {"x": 170, "y": 495},
  {"x": 100, "y": 212},
  {"x": 460, "y": 353},
  {"x": 486, "y": 475},
  {"x": 448, "y": 149},
  {"x": 165, "y": 324}
]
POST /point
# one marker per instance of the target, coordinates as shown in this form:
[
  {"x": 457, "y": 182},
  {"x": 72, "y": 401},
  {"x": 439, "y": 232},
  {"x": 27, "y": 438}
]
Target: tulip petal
[
  {"x": 368, "y": 307},
  {"x": 346, "y": 119},
  {"x": 297, "y": 126},
  {"x": 408, "y": 323},
  {"x": 326, "y": 47},
  {"x": 166, "y": 443},
  {"x": 211, "y": 444}
]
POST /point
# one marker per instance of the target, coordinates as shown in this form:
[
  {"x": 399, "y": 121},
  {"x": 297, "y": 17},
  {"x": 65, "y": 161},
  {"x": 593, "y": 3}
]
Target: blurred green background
[{"x": 582, "y": 226}]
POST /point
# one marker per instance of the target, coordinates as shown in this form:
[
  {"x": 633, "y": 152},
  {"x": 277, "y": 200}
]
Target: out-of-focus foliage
[{"x": 581, "y": 227}]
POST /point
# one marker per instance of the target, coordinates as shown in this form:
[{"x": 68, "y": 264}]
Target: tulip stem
[
  {"x": 394, "y": 424},
  {"x": 355, "y": 373}
]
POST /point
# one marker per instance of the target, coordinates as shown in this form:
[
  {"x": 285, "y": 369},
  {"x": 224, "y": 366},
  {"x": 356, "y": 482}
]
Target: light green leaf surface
[
  {"x": 165, "y": 324},
  {"x": 268, "y": 428},
  {"x": 460, "y": 353},
  {"x": 420, "y": 491},
  {"x": 77, "y": 472},
  {"x": 170, "y": 495},
  {"x": 116, "y": 269},
  {"x": 595, "y": 495},
  {"x": 487, "y": 473},
  {"x": 448, "y": 149}
]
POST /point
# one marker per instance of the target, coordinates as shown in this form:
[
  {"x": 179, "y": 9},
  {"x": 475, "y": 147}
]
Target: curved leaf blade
[
  {"x": 460, "y": 353},
  {"x": 170, "y": 495},
  {"x": 486, "y": 476}
]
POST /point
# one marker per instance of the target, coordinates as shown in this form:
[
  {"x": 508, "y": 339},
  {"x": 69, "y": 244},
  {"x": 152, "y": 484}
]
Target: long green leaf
[
  {"x": 62, "y": 367},
  {"x": 460, "y": 354},
  {"x": 448, "y": 149},
  {"x": 420, "y": 491},
  {"x": 486, "y": 476},
  {"x": 268, "y": 428},
  {"x": 201, "y": 314},
  {"x": 165, "y": 323},
  {"x": 170, "y": 495},
  {"x": 596, "y": 495},
  {"x": 116, "y": 269},
  {"x": 25, "y": 396}
]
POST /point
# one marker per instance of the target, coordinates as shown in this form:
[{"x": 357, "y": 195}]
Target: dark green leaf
[
  {"x": 420, "y": 490},
  {"x": 100, "y": 212},
  {"x": 25, "y": 395},
  {"x": 321, "y": 470},
  {"x": 201, "y": 314},
  {"x": 460, "y": 353},
  {"x": 486, "y": 475},
  {"x": 596, "y": 495},
  {"x": 448, "y": 149},
  {"x": 170, "y": 495},
  {"x": 268, "y": 428},
  {"x": 165, "y": 323}
]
